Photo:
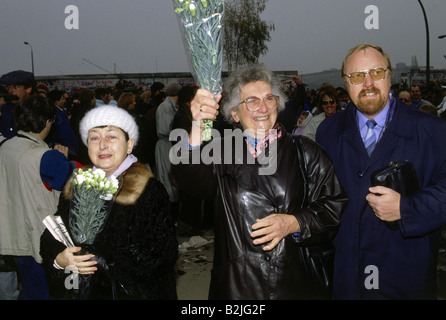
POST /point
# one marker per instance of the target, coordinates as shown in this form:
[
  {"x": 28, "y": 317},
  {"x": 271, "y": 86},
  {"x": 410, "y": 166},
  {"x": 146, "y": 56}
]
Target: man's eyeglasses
[
  {"x": 405, "y": 99},
  {"x": 359, "y": 76},
  {"x": 325, "y": 102},
  {"x": 254, "y": 103}
]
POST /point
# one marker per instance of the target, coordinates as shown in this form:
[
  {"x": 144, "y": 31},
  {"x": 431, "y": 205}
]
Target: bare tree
[{"x": 245, "y": 33}]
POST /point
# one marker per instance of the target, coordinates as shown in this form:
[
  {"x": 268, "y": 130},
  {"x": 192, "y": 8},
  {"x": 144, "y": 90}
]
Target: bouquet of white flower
[
  {"x": 201, "y": 23},
  {"x": 91, "y": 202}
]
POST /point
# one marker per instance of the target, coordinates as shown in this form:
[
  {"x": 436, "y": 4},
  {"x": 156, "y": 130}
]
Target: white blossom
[
  {"x": 92, "y": 196},
  {"x": 201, "y": 23}
]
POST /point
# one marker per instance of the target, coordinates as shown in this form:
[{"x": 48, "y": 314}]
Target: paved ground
[
  {"x": 195, "y": 263},
  {"x": 194, "y": 266}
]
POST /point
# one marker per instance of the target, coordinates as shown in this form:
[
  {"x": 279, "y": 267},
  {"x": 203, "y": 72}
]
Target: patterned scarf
[{"x": 257, "y": 146}]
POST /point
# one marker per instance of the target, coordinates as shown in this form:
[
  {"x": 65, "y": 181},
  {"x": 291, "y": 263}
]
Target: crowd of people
[
  {"x": 327, "y": 99},
  {"x": 325, "y": 145}
]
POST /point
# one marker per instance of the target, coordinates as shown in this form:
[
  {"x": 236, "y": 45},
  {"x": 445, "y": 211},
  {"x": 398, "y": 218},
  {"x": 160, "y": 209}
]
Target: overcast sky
[{"x": 143, "y": 35}]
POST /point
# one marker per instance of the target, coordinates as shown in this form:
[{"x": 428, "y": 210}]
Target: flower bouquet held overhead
[{"x": 201, "y": 25}]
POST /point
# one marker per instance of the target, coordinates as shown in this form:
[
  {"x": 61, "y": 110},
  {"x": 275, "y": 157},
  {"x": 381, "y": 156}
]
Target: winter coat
[
  {"x": 311, "y": 128},
  {"x": 300, "y": 128},
  {"x": 77, "y": 114},
  {"x": 62, "y": 133},
  {"x": 24, "y": 200},
  {"x": 138, "y": 243},
  {"x": 7, "y": 128},
  {"x": 403, "y": 261},
  {"x": 242, "y": 270},
  {"x": 164, "y": 117}
]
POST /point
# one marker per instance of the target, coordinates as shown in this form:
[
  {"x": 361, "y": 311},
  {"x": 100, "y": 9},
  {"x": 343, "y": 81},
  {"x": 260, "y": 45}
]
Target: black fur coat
[{"x": 138, "y": 247}]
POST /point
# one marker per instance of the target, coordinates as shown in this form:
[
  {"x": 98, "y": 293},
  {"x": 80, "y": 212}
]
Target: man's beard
[{"x": 371, "y": 107}]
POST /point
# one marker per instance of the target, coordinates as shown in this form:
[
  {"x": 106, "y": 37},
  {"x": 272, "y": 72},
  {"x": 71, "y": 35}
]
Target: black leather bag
[
  {"x": 318, "y": 259},
  {"x": 399, "y": 176}
]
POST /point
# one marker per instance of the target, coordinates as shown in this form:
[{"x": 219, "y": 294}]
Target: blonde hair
[
  {"x": 126, "y": 99},
  {"x": 363, "y": 46},
  {"x": 146, "y": 96}
]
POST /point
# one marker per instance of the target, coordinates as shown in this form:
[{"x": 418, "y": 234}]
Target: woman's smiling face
[
  {"x": 255, "y": 123},
  {"x": 108, "y": 148},
  {"x": 329, "y": 105}
]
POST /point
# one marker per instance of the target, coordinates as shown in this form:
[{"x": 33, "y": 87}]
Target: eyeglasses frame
[
  {"x": 366, "y": 72},
  {"x": 277, "y": 98},
  {"x": 330, "y": 102}
]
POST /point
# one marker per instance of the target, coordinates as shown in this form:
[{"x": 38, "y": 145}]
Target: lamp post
[
  {"x": 428, "y": 71},
  {"x": 441, "y": 37},
  {"x": 32, "y": 57}
]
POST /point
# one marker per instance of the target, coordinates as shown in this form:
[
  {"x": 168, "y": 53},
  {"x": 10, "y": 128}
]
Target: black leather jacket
[{"x": 242, "y": 270}]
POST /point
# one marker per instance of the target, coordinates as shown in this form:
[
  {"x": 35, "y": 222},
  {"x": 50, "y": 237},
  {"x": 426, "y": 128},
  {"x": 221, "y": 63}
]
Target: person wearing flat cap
[
  {"x": 134, "y": 256},
  {"x": 21, "y": 85}
]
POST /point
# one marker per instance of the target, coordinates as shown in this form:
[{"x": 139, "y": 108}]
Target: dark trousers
[{"x": 32, "y": 279}]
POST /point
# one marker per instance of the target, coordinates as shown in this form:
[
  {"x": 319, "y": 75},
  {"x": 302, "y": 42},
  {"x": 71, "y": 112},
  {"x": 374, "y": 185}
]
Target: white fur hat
[{"x": 108, "y": 116}]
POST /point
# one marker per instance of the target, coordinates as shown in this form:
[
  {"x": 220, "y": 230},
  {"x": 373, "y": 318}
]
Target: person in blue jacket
[
  {"x": 61, "y": 132},
  {"x": 372, "y": 260}
]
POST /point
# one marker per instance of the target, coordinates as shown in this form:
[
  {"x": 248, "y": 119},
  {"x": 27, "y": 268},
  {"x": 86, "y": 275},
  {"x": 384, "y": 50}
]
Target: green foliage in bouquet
[
  {"x": 91, "y": 202},
  {"x": 201, "y": 23}
]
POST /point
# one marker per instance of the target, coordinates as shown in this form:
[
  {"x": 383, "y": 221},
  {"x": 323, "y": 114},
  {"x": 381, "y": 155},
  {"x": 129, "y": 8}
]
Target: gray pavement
[
  {"x": 194, "y": 266},
  {"x": 195, "y": 263}
]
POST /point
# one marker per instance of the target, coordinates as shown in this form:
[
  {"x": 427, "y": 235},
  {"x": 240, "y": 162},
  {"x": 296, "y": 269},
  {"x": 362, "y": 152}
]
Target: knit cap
[{"x": 107, "y": 115}]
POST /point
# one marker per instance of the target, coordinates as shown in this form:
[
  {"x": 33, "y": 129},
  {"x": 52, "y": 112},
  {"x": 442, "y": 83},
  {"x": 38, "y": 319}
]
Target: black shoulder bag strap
[
  {"x": 3, "y": 141},
  {"x": 18, "y": 135}
]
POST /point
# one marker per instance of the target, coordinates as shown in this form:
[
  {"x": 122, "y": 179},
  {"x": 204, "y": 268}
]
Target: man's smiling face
[{"x": 370, "y": 96}]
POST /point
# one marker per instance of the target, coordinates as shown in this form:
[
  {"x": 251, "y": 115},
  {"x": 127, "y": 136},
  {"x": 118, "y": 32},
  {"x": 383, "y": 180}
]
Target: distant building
[
  {"x": 402, "y": 75},
  {"x": 315, "y": 80},
  {"x": 72, "y": 83},
  {"x": 334, "y": 77}
]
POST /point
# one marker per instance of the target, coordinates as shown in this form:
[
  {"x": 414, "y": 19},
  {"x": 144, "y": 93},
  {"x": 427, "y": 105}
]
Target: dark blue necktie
[{"x": 370, "y": 137}]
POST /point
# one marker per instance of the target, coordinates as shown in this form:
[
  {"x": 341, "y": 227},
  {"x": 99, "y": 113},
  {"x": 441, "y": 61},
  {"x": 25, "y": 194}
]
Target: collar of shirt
[
  {"x": 380, "y": 121},
  {"x": 128, "y": 161},
  {"x": 257, "y": 146}
]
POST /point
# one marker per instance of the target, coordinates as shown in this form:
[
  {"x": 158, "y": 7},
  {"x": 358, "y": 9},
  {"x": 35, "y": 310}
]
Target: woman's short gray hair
[{"x": 233, "y": 86}]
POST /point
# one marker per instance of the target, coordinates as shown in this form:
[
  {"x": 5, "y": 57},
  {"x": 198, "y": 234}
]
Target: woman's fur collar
[{"x": 132, "y": 183}]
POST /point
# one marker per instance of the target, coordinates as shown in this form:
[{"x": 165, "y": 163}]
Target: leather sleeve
[{"x": 326, "y": 198}]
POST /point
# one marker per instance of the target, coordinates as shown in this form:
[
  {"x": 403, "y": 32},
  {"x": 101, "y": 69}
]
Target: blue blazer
[{"x": 373, "y": 261}]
